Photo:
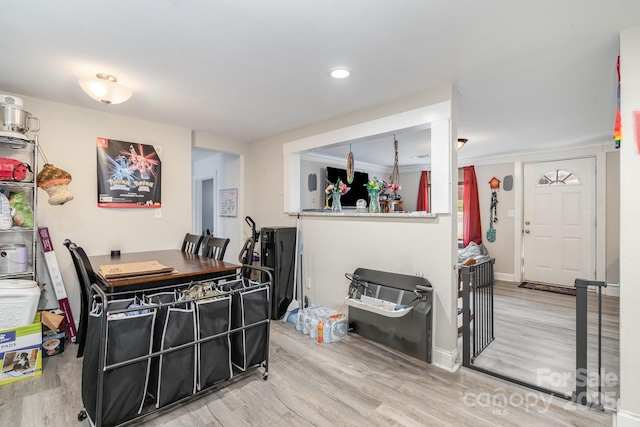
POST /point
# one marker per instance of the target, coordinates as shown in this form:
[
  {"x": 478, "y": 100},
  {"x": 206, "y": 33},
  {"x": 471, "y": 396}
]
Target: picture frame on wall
[
  {"x": 228, "y": 203},
  {"x": 129, "y": 174}
]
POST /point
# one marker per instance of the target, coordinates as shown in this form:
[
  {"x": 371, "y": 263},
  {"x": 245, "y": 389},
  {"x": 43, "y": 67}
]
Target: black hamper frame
[{"x": 127, "y": 374}]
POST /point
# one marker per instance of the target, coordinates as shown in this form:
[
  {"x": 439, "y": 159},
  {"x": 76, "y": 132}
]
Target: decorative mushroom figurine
[{"x": 55, "y": 182}]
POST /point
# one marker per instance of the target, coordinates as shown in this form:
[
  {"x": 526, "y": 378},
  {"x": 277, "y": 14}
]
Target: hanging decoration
[
  {"x": 494, "y": 183},
  {"x": 617, "y": 129},
  {"x": 350, "y": 170},
  {"x": 54, "y": 181},
  {"x": 491, "y": 233},
  {"x": 394, "y": 179}
]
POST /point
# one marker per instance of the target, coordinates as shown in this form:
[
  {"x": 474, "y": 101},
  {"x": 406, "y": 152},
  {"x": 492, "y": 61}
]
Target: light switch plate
[
  {"x": 511, "y": 213},
  {"x": 158, "y": 213}
]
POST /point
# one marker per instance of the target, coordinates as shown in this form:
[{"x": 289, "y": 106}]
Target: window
[{"x": 558, "y": 177}]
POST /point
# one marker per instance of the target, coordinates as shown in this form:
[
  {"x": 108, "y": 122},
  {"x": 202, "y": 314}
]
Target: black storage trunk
[
  {"x": 278, "y": 247},
  {"x": 411, "y": 333}
]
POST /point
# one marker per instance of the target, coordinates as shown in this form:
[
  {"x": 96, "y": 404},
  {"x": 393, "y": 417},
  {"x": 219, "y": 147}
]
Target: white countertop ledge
[{"x": 353, "y": 213}]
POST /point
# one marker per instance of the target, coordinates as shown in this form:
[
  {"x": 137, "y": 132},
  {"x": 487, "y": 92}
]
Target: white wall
[
  {"x": 613, "y": 218},
  {"x": 629, "y": 409},
  {"x": 410, "y": 181},
  {"x": 236, "y": 157},
  {"x": 335, "y": 246},
  {"x": 68, "y": 137},
  {"x": 503, "y": 248},
  {"x": 225, "y": 170}
]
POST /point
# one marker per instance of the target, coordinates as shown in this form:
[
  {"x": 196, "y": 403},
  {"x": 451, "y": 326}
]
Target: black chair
[
  {"x": 191, "y": 243},
  {"x": 86, "y": 277},
  {"x": 214, "y": 247}
]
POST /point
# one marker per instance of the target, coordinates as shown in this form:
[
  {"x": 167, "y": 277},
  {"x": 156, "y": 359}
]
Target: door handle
[
  {"x": 527, "y": 231},
  {"x": 527, "y": 223}
]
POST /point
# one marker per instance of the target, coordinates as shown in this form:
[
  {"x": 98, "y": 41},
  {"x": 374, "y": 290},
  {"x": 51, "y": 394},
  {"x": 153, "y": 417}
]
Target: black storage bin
[
  {"x": 152, "y": 301},
  {"x": 214, "y": 356},
  {"x": 249, "y": 346},
  {"x": 124, "y": 388},
  {"x": 177, "y": 371}
]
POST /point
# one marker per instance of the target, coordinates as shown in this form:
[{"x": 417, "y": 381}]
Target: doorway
[
  {"x": 207, "y": 213},
  {"x": 559, "y": 221}
]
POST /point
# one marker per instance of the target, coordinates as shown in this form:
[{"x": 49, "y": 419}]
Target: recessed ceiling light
[
  {"x": 340, "y": 73},
  {"x": 421, "y": 156}
]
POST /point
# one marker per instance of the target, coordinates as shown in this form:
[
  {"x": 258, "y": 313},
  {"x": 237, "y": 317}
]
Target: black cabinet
[{"x": 278, "y": 252}]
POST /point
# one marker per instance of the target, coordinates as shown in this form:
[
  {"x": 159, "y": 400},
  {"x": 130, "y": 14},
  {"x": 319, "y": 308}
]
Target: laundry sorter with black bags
[{"x": 150, "y": 350}]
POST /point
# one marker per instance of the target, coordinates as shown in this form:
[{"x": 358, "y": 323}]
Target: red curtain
[
  {"x": 472, "y": 231},
  {"x": 423, "y": 192}
]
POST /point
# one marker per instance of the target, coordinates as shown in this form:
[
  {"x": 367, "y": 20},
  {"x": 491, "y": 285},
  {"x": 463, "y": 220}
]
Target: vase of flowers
[
  {"x": 394, "y": 188},
  {"x": 374, "y": 187},
  {"x": 335, "y": 191}
]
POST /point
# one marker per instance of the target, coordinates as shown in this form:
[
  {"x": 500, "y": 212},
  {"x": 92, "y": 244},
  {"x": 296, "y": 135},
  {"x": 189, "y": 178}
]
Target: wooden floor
[
  {"x": 352, "y": 382},
  {"x": 535, "y": 335}
]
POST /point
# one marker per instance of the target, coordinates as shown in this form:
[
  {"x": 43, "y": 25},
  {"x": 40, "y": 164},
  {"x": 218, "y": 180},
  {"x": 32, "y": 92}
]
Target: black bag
[
  {"x": 249, "y": 346},
  {"x": 214, "y": 357},
  {"x": 124, "y": 388},
  {"x": 177, "y": 374}
]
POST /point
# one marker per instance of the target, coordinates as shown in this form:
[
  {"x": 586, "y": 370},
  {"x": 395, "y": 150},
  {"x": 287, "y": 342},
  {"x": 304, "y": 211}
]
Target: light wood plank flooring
[
  {"x": 349, "y": 383},
  {"x": 535, "y": 339}
]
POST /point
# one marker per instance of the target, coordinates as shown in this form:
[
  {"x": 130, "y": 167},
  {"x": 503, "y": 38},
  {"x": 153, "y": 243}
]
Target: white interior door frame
[
  {"x": 197, "y": 202},
  {"x": 559, "y": 263},
  {"x": 600, "y": 212}
]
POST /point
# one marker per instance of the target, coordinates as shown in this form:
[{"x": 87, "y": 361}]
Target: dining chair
[
  {"x": 86, "y": 277},
  {"x": 214, "y": 247},
  {"x": 191, "y": 243}
]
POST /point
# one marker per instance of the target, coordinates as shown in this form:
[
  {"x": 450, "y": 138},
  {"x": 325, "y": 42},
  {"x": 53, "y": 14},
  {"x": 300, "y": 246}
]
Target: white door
[{"x": 559, "y": 221}]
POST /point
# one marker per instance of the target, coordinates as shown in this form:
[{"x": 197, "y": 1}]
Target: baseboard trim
[
  {"x": 503, "y": 277},
  {"x": 626, "y": 419},
  {"x": 612, "y": 289},
  {"x": 444, "y": 359}
]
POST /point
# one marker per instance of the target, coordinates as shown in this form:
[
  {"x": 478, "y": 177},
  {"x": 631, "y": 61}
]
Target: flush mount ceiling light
[
  {"x": 104, "y": 88},
  {"x": 340, "y": 73},
  {"x": 461, "y": 142}
]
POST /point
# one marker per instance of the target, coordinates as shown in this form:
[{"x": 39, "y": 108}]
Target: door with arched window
[{"x": 559, "y": 221}]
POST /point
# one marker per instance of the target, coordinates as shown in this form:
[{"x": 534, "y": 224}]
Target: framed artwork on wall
[
  {"x": 228, "y": 203},
  {"x": 128, "y": 174}
]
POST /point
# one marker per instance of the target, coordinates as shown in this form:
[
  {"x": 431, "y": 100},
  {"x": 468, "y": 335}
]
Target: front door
[{"x": 559, "y": 221}]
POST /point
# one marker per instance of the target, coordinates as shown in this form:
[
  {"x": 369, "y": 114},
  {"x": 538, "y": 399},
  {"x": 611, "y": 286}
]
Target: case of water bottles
[{"x": 322, "y": 324}]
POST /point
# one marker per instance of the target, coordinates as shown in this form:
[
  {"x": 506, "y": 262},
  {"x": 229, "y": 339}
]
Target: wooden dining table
[{"x": 185, "y": 268}]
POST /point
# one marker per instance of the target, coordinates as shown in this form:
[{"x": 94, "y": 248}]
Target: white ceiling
[{"x": 531, "y": 75}]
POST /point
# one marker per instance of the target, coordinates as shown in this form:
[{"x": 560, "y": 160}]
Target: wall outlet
[
  {"x": 307, "y": 283},
  {"x": 419, "y": 273},
  {"x": 158, "y": 213},
  {"x": 511, "y": 213}
]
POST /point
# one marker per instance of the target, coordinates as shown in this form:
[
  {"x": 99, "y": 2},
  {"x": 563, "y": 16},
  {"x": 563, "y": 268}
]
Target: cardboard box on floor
[
  {"x": 53, "y": 332},
  {"x": 21, "y": 352}
]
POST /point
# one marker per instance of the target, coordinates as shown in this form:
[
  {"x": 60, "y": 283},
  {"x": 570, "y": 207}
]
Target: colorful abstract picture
[{"x": 128, "y": 174}]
